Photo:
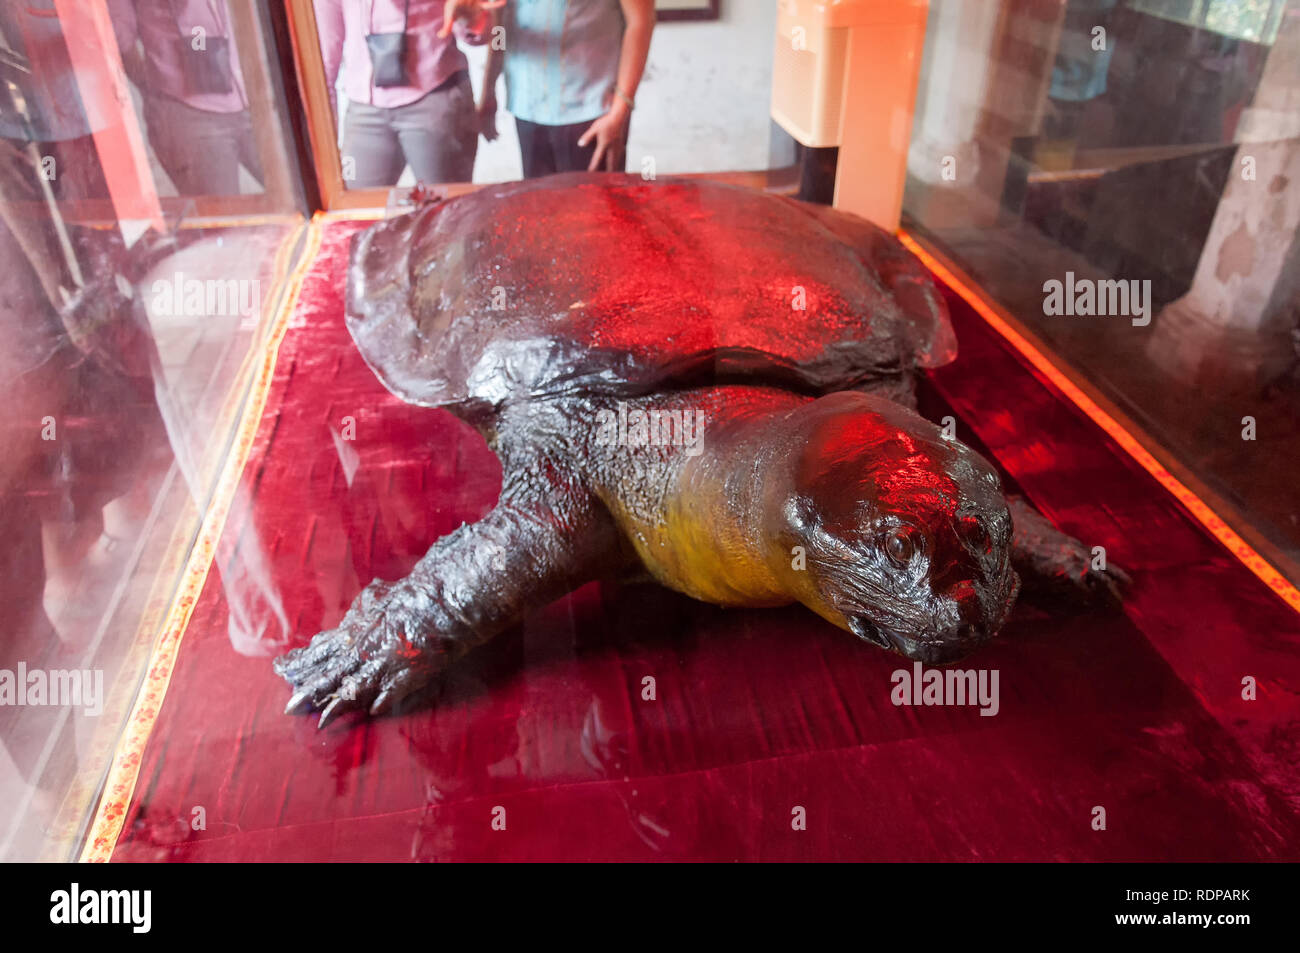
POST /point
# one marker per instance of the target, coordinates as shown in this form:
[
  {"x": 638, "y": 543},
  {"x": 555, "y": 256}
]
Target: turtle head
[{"x": 905, "y": 534}]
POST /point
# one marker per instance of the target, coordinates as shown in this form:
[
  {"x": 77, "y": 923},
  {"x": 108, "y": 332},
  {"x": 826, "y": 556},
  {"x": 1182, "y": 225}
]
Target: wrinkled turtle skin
[{"x": 704, "y": 383}]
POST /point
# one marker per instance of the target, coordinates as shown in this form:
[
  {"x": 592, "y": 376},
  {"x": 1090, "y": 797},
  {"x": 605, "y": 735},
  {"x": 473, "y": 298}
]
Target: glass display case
[
  {"x": 1056, "y": 239},
  {"x": 1154, "y": 148}
]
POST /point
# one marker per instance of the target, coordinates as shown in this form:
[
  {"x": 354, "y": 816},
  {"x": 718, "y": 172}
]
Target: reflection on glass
[
  {"x": 1255, "y": 20},
  {"x": 122, "y": 351},
  {"x": 180, "y": 55},
  {"x": 40, "y": 107},
  {"x": 83, "y": 439},
  {"x": 1149, "y": 147}
]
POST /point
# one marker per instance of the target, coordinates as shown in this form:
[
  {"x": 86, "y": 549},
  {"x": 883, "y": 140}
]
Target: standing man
[
  {"x": 572, "y": 69},
  {"x": 180, "y": 54},
  {"x": 410, "y": 101}
]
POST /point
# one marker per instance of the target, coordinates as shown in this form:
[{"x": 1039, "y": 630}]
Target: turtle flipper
[
  {"x": 538, "y": 544},
  {"x": 1056, "y": 565}
]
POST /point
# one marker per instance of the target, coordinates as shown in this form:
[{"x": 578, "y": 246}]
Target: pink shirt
[
  {"x": 161, "y": 26},
  {"x": 342, "y": 26}
]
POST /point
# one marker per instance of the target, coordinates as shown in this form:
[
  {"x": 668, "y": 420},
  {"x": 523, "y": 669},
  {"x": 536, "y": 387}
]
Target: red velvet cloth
[{"x": 757, "y": 712}]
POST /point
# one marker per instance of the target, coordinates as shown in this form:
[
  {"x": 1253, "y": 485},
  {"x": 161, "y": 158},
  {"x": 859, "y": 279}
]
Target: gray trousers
[
  {"x": 201, "y": 151},
  {"x": 437, "y": 136}
]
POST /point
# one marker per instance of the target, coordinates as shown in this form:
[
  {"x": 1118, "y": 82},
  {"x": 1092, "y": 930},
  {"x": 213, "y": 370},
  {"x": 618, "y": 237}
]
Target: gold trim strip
[
  {"x": 110, "y": 815},
  {"x": 82, "y": 792}
]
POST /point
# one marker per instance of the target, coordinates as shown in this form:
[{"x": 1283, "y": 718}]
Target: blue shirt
[{"x": 561, "y": 58}]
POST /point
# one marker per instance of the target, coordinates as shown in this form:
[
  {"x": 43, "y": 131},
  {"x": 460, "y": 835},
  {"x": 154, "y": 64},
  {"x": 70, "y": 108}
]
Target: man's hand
[
  {"x": 469, "y": 10},
  {"x": 608, "y": 132}
]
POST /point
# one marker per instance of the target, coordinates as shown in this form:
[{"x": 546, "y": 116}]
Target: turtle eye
[{"x": 901, "y": 545}]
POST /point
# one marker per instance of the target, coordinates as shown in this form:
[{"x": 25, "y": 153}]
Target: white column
[
  {"x": 1235, "y": 319},
  {"x": 954, "y": 74}
]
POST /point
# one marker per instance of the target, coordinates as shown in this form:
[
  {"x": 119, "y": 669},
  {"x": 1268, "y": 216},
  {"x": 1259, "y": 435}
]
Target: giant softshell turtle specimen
[{"x": 701, "y": 382}]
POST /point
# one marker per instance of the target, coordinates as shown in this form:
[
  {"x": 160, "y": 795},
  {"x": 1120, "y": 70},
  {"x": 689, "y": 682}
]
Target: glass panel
[
  {"x": 443, "y": 453},
  {"x": 1121, "y": 177},
  {"x": 148, "y": 221}
]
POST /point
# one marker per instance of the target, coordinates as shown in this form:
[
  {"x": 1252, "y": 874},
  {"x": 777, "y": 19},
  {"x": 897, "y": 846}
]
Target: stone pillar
[
  {"x": 957, "y": 62},
  {"x": 987, "y": 73},
  {"x": 1233, "y": 326}
]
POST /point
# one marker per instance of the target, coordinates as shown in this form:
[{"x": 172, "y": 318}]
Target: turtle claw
[
  {"x": 1118, "y": 577},
  {"x": 338, "y": 706},
  {"x": 299, "y": 704},
  {"x": 380, "y": 651},
  {"x": 384, "y": 702},
  {"x": 1104, "y": 586},
  {"x": 1055, "y": 565},
  {"x": 1069, "y": 576}
]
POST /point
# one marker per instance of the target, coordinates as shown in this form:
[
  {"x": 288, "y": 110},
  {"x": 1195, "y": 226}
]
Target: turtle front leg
[
  {"x": 545, "y": 538},
  {"x": 1054, "y": 564}
]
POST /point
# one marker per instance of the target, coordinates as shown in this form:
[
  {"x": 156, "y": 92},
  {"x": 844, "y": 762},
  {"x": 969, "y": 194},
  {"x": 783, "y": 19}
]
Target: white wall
[{"x": 703, "y": 105}]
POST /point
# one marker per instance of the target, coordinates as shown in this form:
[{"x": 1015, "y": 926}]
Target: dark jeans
[
  {"x": 200, "y": 150},
  {"x": 546, "y": 150}
]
